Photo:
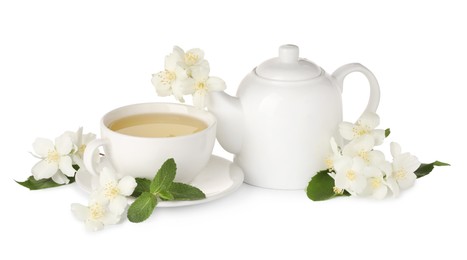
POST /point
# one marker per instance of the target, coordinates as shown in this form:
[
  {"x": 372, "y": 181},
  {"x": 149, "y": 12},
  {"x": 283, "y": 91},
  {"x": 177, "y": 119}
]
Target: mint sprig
[{"x": 162, "y": 187}]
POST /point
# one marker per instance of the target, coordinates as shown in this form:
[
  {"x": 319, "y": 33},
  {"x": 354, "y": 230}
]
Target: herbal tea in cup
[{"x": 138, "y": 139}]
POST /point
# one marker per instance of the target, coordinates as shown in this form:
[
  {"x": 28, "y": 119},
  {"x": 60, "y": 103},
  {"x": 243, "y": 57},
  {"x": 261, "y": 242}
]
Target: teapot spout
[{"x": 229, "y": 114}]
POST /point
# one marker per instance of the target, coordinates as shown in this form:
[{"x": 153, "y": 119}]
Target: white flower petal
[
  {"x": 107, "y": 176},
  {"x": 340, "y": 181},
  {"x": 372, "y": 171},
  {"x": 43, "y": 146},
  {"x": 378, "y": 135},
  {"x": 342, "y": 164},
  {"x": 381, "y": 192},
  {"x": 364, "y": 142},
  {"x": 411, "y": 163},
  {"x": 180, "y": 52},
  {"x": 63, "y": 144},
  {"x": 118, "y": 204},
  {"x": 110, "y": 218},
  {"x": 185, "y": 87},
  {"x": 393, "y": 186},
  {"x": 369, "y": 119},
  {"x": 60, "y": 178},
  {"x": 376, "y": 157},
  {"x": 395, "y": 149},
  {"x": 127, "y": 185},
  {"x": 385, "y": 167},
  {"x": 199, "y": 98},
  {"x": 65, "y": 165},
  {"x": 359, "y": 184},
  {"x": 215, "y": 84},
  {"x": 172, "y": 60},
  {"x": 196, "y": 53},
  {"x": 357, "y": 165},
  {"x": 334, "y": 146},
  {"x": 88, "y": 138},
  {"x": 163, "y": 87},
  {"x": 77, "y": 138},
  {"x": 200, "y": 73},
  {"x": 93, "y": 225},
  {"x": 346, "y": 130},
  {"x": 81, "y": 212},
  {"x": 180, "y": 73},
  {"x": 44, "y": 170},
  {"x": 408, "y": 180}
]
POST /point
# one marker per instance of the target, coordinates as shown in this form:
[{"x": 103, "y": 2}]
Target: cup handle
[
  {"x": 91, "y": 149},
  {"x": 343, "y": 71}
]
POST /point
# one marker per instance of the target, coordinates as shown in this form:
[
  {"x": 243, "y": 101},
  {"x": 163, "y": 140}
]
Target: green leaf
[
  {"x": 166, "y": 195},
  {"x": 321, "y": 187},
  {"x": 142, "y": 207},
  {"x": 426, "y": 168},
  {"x": 33, "y": 184},
  {"x": 387, "y": 132},
  {"x": 142, "y": 185},
  {"x": 182, "y": 191},
  {"x": 164, "y": 177}
]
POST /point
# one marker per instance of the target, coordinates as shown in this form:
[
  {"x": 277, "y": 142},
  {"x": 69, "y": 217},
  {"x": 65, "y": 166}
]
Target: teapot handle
[{"x": 343, "y": 71}]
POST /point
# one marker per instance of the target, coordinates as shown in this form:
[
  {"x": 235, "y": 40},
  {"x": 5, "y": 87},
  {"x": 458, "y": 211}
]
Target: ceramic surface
[{"x": 283, "y": 117}]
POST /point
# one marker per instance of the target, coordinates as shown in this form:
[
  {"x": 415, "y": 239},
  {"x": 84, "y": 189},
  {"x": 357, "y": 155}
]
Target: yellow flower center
[
  {"x": 96, "y": 211},
  {"x": 168, "y": 77},
  {"x": 201, "y": 85},
  {"x": 375, "y": 183},
  {"x": 351, "y": 176},
  {"x": 111, "y": 190},
  {"x": 52, "y": 157},
  {"x": 338, "y": 191},
  {"x": 359, "y": 130},
  {"x": 400, "y": 175},
  {"x": 191, "y": 58},
  {"x": 81, "y": 150},
  {"x": 364, "y": 155}
]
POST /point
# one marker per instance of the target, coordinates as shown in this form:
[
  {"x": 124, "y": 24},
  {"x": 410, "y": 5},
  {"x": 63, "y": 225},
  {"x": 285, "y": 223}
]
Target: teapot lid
[{"x": 288, "y": 66}]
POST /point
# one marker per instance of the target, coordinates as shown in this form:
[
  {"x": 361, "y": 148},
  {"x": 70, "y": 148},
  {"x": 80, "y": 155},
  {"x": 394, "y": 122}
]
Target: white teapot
[{"x": 280, "y": 124}]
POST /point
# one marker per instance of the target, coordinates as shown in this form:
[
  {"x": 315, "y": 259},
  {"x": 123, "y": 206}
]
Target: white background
[{"x": 63, "y": 64}]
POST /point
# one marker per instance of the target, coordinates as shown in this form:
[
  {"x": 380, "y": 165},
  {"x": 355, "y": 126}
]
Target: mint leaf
[
  {"x": 164, "y": 177},
  {"x": 387, "y": 132},
  {"x": 142, "y": 207},
  {"x": 142, "y": 185},
  {"x": 182, "y": 191},
  {"x": 33, "y": 184},
  {"x": 166, "y": 195},
  {"x": 426, "y": 168},
  {"x": 321, "y": 187}
]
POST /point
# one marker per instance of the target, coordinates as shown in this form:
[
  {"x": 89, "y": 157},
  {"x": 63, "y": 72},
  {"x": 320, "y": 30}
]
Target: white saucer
[{"x": 218, "y": 179}]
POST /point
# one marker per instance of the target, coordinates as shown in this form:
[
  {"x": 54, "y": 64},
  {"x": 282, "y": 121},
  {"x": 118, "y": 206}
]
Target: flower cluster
[
  {"x": 60, "y": 160},
  {"x": 361, "y": 170},
  {"x": 107, "y": 202},
  {"x": 186, "y": 73}
]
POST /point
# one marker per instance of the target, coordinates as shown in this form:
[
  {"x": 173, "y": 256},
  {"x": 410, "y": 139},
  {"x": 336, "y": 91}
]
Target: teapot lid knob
[
  {"x": 288, "y": 66},
  {"x": 288, "y": 53}
]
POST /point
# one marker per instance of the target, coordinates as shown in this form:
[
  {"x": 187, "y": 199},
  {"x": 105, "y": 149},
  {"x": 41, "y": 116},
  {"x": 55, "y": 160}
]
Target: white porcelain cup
[{"x": 143, "y": 156}]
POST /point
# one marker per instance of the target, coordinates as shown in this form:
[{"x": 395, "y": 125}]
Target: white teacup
[{"x": 139, "y": 156}]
